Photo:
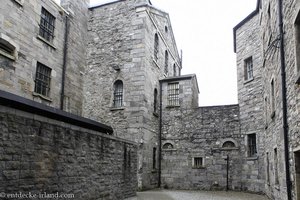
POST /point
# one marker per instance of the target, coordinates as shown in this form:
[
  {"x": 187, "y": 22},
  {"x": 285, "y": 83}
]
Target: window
[
  {"x": 118, "y": 94},
  {"x": 168, "y": 146},
  {"x": 156, "y": 45},
  {"x": 248, "y": 70},
  {"x": 173, "y": 94},
  {"x": 47, "y": 25},
  {"x": 198, "y": 162},
  {"x": 268, "y": 168},
  {"x": 7, "y": 47},
  {"x": 42, "y": 79},
  {"x": 252, "y": 145},
  {"x": 166, "y": 62},
  {"x": 272, "y": 98},
  {"x": 174, "y": 70},
  {"x": 166, "y": 29},
  {"x": 155, "y": 101},
  {"x": 228, "y": 144},
  {"x": 154, "y": 158},
  {"x": 276, "y": 166}
]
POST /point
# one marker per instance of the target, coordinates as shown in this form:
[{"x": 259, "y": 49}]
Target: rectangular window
[
  {"x": 154, "y": 158},
  {"x": 173, "y": 94},
  {"x": 268, "y": 169},
  {"x": 248, "y": 69},
  {"x": 297, "y": 46},
  {"x": 276, "y": 166},
  {"x": 47, "y": 25},
  {"x": 42, "y": 79},
  {"x": 272, "y": 98},
  {"x": 198, "y": 162},
  {"x": 252, "y": 145}
]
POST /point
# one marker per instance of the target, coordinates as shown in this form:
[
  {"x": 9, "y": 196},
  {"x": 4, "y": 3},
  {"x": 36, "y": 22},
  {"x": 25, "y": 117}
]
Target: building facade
[
  {"x": 118, "y": 64},
  {"x": 269, "y": 38}
]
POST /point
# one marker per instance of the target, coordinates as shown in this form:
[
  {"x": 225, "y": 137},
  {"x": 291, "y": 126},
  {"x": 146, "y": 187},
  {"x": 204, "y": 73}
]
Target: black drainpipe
[
  {"x": 64, "y": 66},
  {"x": 284, "y": 102},
  {"x": 159, "y": 134}
]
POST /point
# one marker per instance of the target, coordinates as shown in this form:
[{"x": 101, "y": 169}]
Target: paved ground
[{"x": 195, "y": 195}]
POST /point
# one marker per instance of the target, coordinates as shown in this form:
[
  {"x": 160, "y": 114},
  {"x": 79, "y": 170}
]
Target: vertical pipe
[
  {"x": 65, "y": 51},
  {"x": 284, "y": 102},
  {"x": 159, "y": 134},
  {"x": 227, "y": 173}
]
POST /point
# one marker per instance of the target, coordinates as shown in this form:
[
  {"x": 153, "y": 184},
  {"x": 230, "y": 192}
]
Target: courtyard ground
[{"x": 195, "y": 195}]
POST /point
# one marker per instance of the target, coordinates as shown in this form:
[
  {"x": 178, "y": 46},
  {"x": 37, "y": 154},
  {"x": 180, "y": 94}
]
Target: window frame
[
  {"x": 42, "y": 80},
  {"x": 173, "y": 94},
  {"x": 196, "y": 160},
  {"x": 47, "y": 26},
  {"x": 118, "y": 94},
  {"x": 248, "y": 69},
  {"x": 251, "y": 145}
]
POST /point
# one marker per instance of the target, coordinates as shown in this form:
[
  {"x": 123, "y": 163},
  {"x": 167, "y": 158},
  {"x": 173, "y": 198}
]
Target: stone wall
[
  {"x": 251, "y": 101},
  {"x": 201, "y": 132},
  {"x": 42, "y": 155}
]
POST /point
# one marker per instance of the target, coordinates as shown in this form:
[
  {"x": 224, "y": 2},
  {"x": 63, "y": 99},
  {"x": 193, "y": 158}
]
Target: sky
[{"x": 203, "y": 29}]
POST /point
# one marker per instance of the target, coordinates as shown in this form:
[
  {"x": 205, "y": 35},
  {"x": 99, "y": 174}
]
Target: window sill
[
  {"x": 11, "y": 57},
  {"x": 202, "y": 167},
  {"x": 46, "y": 41},
  {"x": 172, "y": 106},
  {"x": 119, "y": 108},
  {"x": 248, "y": 81},
  {"x": 41, "y": 96},
  {"x": 252, "y": 158},
  {"x": 229, "y": 148},
  {"x": 169, "y": 149}
]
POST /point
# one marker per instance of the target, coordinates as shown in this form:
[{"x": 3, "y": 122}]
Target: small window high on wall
[
  {"x": 173, "y": 94},
  {"x": 166, "y": 62},
  {"x": 297, "y": 46},
  {"x": 156, "y": 45},
  {"x": 118, "y": 94},
  {"x": 248, "y": 69}
]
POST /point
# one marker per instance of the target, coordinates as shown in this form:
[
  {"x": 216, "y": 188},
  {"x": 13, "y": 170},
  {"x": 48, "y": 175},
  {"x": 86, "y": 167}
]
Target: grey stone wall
[
  {"x": 20, "y": 23},
  {"x": 251, "y": 101},
  {"x": 40, "y": 155},
  {"x": 120, "y": 47},
  {"x": 267, "y": 27},
  {"x": 201, "y": 132}
]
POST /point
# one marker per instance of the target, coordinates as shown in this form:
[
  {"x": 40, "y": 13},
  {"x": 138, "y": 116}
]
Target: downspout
[
  {"x": 284, "y": 102},
  {"x": 159, "y": 135},
  {"x": 64, "y": 66}
]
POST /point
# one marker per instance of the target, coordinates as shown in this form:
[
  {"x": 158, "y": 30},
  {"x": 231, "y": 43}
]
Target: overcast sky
[{"x": 203, "y": 30}]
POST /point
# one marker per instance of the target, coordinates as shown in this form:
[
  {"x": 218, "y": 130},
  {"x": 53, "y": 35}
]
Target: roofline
[
  {"x": 105, "y": 4},
  {"x": 179, "y": 78},
  {"x": 250, "y": 16},
  {"x": 27, "y": 105}
]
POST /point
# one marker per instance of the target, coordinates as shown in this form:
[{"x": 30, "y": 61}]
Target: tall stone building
[
  {"x": 266, "y": 44},
  {"x": 118, "y": 64}
]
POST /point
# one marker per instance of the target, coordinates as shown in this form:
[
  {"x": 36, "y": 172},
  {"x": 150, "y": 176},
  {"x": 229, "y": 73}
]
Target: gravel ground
[{"x": 195, "y": 195}]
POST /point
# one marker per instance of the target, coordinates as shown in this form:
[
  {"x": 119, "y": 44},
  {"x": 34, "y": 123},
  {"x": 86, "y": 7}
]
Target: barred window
[
  {"x": 248, "y": 69},
  {"x": 166, "y": 62},
  {"x": 198, "y": 162},
  {"x": 155, "y": 100},
  {"x": 47, "y": 25},
  {"x": 252, "y": 145},
  {"x": 118, "y": 94},
  {"x": 42, "y": 79},
  {"x": 173, "y": 94},
  {"x": 156, "y": 44}
]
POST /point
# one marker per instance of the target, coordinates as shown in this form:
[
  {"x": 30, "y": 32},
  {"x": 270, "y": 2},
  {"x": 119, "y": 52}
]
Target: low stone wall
[{"x": 43, "y": 156}]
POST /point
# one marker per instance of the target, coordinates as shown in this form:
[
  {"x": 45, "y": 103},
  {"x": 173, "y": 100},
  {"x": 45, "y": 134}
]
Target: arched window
[
  {"x": 228, "y": 144},
  {"x": 174, "y": 69},
  {"x": 155, "y": 100},
  {"x": 118, "y": 94},
  {"x": 168, "y": 146},
  {"x": 166, "y": 61},
  {"x": 156, "y": 44}
]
